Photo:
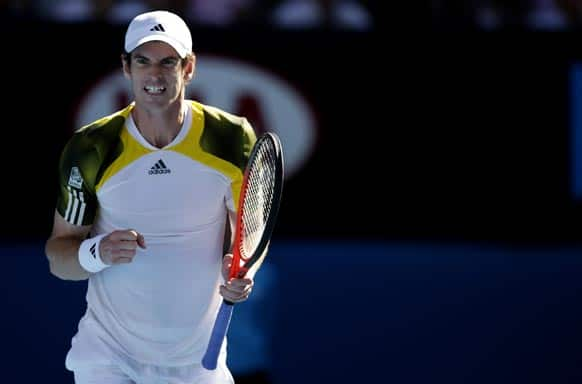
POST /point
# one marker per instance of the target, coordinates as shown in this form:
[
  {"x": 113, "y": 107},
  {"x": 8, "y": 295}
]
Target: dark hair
[{"x": 127, "y": 58}]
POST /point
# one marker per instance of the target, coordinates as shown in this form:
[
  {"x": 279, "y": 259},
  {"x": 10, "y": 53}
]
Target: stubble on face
[{"x": 157, "y": 75}]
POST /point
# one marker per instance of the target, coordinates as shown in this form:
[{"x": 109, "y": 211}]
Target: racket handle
[{"x": 218, "y": 333}]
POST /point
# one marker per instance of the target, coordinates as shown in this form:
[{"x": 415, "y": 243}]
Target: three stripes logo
[
  {"x": 75, "y": 212},
  {"x": 159, "y": 168},
  {"x": 158, "y": 27},
  {"x": 92, "y": 250}
]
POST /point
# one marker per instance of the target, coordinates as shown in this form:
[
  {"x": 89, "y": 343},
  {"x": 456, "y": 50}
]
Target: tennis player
[{"x": 146, "y": 197}]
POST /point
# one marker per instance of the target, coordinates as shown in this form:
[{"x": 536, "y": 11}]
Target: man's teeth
[{"x": 154, "y": 89}]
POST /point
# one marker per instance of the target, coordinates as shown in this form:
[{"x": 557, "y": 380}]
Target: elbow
[
  {"x": 52, "y": 262},
  {"x": 54, "y": 270},
  {"x": 60, "y": 270},
  {"x": 64, "y": 275}
]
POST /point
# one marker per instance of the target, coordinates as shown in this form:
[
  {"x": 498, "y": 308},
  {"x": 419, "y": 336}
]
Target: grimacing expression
[{"x": 158, "y": 74}]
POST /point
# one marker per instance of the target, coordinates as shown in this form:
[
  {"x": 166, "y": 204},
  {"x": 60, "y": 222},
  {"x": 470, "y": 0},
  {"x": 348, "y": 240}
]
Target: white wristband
[{"x": 89, "y": 256}]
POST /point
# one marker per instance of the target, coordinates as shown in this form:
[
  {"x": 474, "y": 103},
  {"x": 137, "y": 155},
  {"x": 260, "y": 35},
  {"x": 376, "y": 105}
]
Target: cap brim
[{"x": 179, "y": 48}]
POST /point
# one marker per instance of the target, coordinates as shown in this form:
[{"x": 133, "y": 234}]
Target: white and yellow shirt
[{"x": 160, "y": 308}]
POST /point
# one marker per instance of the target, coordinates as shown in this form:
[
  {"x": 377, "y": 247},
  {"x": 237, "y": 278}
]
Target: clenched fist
[{"x": 119, "y": 247}]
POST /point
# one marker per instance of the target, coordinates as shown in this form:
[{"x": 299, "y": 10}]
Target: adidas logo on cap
[{"x": 158, "y": 27}]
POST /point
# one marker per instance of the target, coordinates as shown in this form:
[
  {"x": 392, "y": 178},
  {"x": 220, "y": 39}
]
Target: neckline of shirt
[{"x": 132, "y": 128}]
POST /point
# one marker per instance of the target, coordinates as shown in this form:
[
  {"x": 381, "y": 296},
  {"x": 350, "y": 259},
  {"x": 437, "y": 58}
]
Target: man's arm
[{"x": 62, "y": 249}]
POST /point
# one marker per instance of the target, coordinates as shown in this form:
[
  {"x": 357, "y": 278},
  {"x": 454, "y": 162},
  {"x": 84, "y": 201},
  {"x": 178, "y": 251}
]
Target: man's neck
[{"x": 159, "y": 128}]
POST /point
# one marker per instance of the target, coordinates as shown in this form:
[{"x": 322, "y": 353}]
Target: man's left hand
[{"x": 235, "y": 290}]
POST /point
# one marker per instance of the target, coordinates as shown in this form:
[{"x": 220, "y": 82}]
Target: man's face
[{"x": 157, "y": 75}]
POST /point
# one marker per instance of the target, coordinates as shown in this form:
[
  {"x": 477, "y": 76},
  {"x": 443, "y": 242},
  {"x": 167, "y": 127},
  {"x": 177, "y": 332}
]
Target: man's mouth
[{"x": 154, "y": 89}]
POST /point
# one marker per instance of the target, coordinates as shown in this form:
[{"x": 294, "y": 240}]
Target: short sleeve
[{"x": 76, "y": 198}]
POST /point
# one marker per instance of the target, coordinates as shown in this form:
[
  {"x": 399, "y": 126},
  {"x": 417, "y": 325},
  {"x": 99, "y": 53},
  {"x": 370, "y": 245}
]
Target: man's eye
[{"x": 170, "y": 63}]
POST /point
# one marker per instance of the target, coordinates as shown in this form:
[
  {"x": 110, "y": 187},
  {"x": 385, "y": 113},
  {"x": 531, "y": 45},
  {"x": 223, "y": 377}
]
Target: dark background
[
  {"x": 432, "y": 236},
  {"x": 461, "y": 135}
]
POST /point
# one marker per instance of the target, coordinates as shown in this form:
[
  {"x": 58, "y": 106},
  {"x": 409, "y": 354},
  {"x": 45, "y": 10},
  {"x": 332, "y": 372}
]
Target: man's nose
[{"x": 155, "y": 70}]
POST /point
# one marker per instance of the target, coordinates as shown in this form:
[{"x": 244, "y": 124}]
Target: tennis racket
[{"x": 258, "y": 205}]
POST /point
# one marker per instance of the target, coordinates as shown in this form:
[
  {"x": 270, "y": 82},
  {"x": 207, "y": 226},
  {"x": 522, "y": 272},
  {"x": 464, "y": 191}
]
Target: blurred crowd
[
  {"x": 498, "y": 14},
  {"x": 345, "y": 14}
]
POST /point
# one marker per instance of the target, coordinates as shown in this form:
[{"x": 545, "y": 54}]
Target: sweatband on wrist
[{"x": 89, "y": 256}]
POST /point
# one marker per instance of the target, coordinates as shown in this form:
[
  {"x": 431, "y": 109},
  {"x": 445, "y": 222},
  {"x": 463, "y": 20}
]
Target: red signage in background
[{"x": 267, "y": 101}]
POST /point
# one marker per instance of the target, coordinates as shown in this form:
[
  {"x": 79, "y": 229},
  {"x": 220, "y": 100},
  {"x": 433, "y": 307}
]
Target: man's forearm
[{"x": 62, "y": 253}]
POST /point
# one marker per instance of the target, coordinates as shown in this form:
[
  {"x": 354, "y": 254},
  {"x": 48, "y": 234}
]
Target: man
[{"x": 145, "y": 201}]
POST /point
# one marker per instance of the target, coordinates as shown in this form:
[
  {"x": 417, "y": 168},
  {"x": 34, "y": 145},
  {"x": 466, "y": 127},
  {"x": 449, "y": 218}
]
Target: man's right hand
[{"x": 119, "y": 247}]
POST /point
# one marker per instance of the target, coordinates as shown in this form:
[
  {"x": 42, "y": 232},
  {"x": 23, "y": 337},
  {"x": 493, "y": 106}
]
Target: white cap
[{"x": 159, "y": 26}]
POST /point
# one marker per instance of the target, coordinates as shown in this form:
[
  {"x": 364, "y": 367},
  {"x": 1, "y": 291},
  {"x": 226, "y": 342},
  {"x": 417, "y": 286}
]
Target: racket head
[{"x": 259, "y": 201}]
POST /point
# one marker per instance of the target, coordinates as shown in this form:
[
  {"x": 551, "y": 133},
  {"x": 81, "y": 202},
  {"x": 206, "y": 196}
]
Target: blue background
[{"x": 342, "y": 312}]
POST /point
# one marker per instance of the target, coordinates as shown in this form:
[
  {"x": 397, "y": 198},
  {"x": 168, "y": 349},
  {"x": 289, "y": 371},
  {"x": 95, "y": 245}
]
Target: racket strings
[{"x": 258, "y": 197}]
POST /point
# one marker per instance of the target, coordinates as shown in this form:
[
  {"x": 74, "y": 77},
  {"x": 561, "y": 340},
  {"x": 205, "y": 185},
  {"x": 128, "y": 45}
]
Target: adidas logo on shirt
[{"x": 159, "y": 168}]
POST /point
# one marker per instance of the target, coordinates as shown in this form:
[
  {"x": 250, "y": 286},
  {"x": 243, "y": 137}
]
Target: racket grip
[{"x": 217, "y": 336}]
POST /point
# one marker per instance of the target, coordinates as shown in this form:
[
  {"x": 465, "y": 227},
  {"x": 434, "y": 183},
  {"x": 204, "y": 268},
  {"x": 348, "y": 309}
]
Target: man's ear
[
  {"x": 190, "y": 69},
  {"x": 125, "y": 66}
]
